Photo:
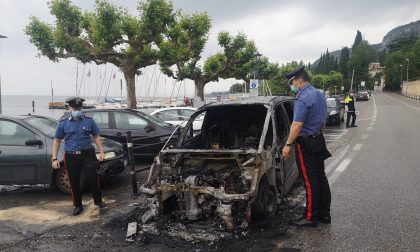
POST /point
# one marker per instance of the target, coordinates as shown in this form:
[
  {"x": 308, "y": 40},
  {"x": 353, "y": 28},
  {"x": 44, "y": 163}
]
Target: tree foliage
[
  {"x": 107, "y": 35},
  {"x": 396, "y": 64},
  {"x": 357, "y": 40},
  {"x": 343, "y": 65},
  {"x": 326, "y": 63},
  {"x": 361, "y": 57},
  {"x": 234, "y": 61}
]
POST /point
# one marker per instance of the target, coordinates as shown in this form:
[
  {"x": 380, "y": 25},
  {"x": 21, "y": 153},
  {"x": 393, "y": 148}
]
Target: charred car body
[{"x": 232, "y": 168}]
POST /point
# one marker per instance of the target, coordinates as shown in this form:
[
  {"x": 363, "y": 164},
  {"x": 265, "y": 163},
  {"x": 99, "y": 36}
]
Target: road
[{"x": 374, "y": 178}]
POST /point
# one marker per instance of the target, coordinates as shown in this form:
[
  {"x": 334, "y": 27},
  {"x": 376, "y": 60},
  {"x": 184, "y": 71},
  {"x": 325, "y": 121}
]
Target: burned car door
[
  {"x": 284, "y": 117},
  {"x": 22, "y": 154}
]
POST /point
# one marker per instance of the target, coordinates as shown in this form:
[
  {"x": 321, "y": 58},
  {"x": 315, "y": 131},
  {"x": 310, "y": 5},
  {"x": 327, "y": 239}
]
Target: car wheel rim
[{"x": 64, "y": 182}]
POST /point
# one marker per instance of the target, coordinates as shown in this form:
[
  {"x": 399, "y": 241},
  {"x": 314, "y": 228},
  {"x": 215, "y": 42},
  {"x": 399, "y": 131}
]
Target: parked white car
[{"x": 178, "y": 116}]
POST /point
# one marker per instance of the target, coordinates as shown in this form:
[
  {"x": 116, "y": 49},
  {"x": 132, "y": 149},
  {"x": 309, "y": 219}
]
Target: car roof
[
  {"x": 263, "y": 100},
  {"x": 22, "y": 117},
  {"x": 171, "y": 108}
]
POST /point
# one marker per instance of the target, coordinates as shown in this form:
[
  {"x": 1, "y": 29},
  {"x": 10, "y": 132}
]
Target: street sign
[
  {"x": 362, "y": 83},
  {"x": 342, "y": 88},
  {"x": 253, "y": 88},
  {"x": 253, "y": 84}
]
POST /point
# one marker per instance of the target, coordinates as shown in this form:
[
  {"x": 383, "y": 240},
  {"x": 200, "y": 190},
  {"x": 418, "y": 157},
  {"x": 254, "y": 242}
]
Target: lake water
[{"x": 22, "y": 104}]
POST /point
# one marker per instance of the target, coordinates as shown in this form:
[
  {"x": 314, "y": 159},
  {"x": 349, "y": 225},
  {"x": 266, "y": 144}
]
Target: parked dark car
[
  {"x": 335, "y": 111},
  {"x": 26, "y": 150},
  {"x": 232, "y": 169},
  {"x": 362, "y": 96},
  {"x": 149, "y": 133}
]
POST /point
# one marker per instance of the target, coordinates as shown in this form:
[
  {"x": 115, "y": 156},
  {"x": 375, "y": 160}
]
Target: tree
[
  {"x": 343, "y": 65},
  {"x": 360, "y": 59},
  {"x": 357, "y": 40},
  {"x": 180, "y": 51},
  {"x": 108, "y": 35},
  {"x": 235, "y": 61}
]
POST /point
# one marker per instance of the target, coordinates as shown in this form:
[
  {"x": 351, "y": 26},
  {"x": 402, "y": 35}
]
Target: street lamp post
[
  {"x": 1, "y": 36},
  {"x": 408, "y": 64},
  {"x": 257, "y": 72},
  {"x": 401, "y": 76}
]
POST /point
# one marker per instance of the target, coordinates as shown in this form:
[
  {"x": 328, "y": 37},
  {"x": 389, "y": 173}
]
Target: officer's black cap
[
  {"x": 290, "y": 76},
  {"x": 75, "y": 102}
]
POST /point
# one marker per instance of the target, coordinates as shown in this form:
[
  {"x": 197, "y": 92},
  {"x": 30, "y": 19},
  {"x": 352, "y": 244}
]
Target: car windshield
[
  {"x": 45, "y": 125},
  {"x": 155, "y": 120},
  {"x": 331, "y": 103}
]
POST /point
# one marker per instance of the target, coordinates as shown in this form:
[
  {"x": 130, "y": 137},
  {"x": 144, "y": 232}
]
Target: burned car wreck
[{"x": 232, "y": 169}]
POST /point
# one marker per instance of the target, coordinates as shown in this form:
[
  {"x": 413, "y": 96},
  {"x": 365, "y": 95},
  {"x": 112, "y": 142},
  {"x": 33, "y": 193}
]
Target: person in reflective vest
[{"x": 351, "y": 111}]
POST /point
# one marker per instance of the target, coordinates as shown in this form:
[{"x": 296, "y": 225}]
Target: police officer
[
  {"x": 76, "y": 129},
  {"x": 306, "y": 131},
  {"x": 351, "y": 111}
]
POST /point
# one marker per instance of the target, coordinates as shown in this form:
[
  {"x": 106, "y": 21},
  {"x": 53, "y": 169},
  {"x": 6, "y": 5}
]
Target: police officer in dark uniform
[
  {"x": 310, "y": 110},
  {"x": 351, "y": 110},
  {"x": 76, "y": 129}
]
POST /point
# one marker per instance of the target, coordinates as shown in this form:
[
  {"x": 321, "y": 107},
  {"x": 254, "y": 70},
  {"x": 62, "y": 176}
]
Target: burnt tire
[
  {"x": 62, "y": 181},
  {"x": 265, "y": 204}
]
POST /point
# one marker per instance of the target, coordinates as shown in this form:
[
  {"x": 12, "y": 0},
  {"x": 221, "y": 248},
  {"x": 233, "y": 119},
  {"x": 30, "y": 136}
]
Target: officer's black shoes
[
  {"x": 77, "y": 210},
  {"x": 304, "y": 223},
  {"x": 347, "y": 126},
  {"x": 354, "y": 126},
  {"x": 325, "y": 218},
  {"x": 102, "y": 207}
]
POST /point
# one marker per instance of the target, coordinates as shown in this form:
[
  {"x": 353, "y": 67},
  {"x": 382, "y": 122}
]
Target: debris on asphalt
[{"x": 131, "y": 231}]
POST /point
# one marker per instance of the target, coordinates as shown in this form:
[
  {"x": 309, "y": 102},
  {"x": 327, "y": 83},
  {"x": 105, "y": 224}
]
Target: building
[{"x": 376, "y": 71}]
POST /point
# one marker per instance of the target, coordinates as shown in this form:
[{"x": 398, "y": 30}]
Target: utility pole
[
  {"x": 408, "y": 64},
  {"x": 1, "y": 36},
  {"x": 401, "y": 76},
  {"x": 352, "y": 77}
]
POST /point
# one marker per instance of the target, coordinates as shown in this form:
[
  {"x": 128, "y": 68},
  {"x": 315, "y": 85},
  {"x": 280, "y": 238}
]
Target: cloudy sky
[{"x": 283, "y": 30}]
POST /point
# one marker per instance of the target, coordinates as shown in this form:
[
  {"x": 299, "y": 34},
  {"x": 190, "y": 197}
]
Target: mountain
[{"x": 410, "y": 29}]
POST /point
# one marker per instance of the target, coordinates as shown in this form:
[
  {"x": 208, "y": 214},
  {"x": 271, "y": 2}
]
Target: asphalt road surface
[
  {"x": 375, "y": 182},
  {"x": 374, "y": 176}
]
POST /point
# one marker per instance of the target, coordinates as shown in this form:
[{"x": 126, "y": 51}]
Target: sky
[{"x": 283, "y": 30}]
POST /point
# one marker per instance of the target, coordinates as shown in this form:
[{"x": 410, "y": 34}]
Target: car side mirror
[
  {"x": 149, "y": 128},
  {"x": 33, "y": 142}
]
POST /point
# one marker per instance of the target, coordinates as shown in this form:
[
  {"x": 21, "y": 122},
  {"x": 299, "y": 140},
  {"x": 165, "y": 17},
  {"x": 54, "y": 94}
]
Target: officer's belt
[
  {"x": 312, "y": 135},
  {"x": 80, "y": 152}
]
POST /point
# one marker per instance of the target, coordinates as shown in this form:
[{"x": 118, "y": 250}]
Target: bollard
[{"x": 131, "y": 161}]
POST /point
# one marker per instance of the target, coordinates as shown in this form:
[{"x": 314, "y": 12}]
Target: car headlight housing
[
  {"x": 333, "y": 112},
  {"x": 108, "y": 155}
]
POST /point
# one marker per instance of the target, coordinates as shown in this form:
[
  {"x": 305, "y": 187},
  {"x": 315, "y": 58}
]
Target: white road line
[
  {"x": 372, "y": 123},
  {"x": 337, "y": 159},
  {"x": 342, "y": 167},
  {"x": 357, "y": 147},
  {"x": 365, "y": 136},
  {"x": 369, "y": 128}
]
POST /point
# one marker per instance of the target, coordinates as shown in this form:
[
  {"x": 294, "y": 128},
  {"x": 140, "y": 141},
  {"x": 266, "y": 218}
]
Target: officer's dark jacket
[{"x": 349, "y": 101}]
